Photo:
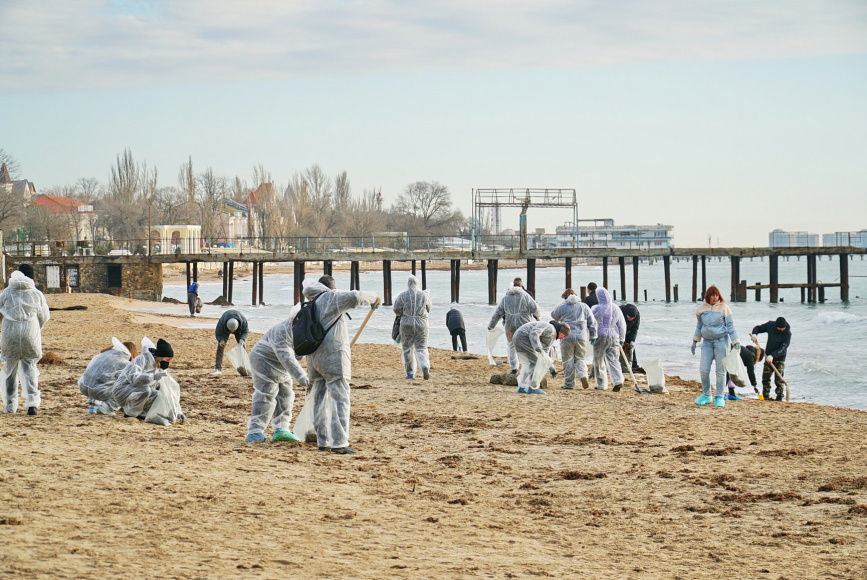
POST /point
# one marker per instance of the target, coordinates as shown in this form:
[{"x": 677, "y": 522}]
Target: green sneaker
[
  {"x": 719, "y": 402},
  {"x": 282, "y": 435},
  {"x": 703, "y": 400}
]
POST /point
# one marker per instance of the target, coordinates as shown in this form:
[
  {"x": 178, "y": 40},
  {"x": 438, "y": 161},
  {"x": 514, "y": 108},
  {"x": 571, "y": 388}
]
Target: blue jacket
[{"x": 714, "y": 322}]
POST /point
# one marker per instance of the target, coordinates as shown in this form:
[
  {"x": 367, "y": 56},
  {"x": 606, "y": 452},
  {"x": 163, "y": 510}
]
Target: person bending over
[
  {"x": 455, "y": 324},
  {"x": 231, "y": 323},
  {"x": 531, "y": 341},
  {"x": 137, "y": 385},
  {"x": 97, "y": 382},
  {"x": 779, "y": 336}
]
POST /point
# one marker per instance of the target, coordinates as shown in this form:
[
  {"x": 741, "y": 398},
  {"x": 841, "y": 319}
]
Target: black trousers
[{"x": 463, "y": 335}]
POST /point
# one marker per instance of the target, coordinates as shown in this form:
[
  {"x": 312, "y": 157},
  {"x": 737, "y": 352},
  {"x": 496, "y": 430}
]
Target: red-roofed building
[{"x": 75, "y": 215}]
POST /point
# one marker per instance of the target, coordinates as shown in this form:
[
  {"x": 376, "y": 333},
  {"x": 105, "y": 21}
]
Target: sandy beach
[{"x": 455, "y": 477}]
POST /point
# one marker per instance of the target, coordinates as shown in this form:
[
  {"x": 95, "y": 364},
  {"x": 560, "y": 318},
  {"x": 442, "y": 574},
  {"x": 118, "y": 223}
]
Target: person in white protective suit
[
  {"x": 137, "y": 386},
  {"x": 413, "y": 305},
  {"x": 24, "y": 312},
  {"x": 98, "y": 379},
  {"x": 274, "y": 366},
  {"x": 516, "y": 308},
  {"x": 330, "y": 366},
  {"x": 611, "y": 336},
  {"x": 573, "y": 348},
  {"x": 531, "y": 341}
]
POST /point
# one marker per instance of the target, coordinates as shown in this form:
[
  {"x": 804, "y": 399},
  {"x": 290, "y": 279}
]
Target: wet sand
[{"x": 455, "y": 477}]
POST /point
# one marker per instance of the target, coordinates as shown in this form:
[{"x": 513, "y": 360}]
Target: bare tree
[
  {"x": 428, "y": 205},
  {"x": 11, "y": 164},
  {"x": 187, "y": 180},
  {"x": 211, "y": 190},
  {"x": 88, "y": 188},
  {"x": 364, "y": 216},
  {"x": 123, "y": 182}
]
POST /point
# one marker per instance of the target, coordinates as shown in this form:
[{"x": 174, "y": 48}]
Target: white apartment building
[
  {"x": 782, "y": 239},
  {"x": 854, "y": 239},
  {"x": 603, "y": 233}
]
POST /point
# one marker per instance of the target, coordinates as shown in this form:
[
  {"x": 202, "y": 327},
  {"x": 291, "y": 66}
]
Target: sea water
[{"x": 825, "y": 363}]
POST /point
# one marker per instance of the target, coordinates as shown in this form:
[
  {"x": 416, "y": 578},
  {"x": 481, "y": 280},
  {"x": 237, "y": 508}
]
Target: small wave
[{"x": 839, "y": 318}]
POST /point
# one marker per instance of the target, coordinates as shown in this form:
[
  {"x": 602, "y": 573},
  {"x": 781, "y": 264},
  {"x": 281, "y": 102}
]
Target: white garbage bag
[
  {"x": 735, "y": 366},
  {"x": 303, "y": 428},
  {"x": 491, "y": 341},
  {"x": 543, "y": 365},
  {"x": 240, "y": 360},
  {"x": 166, "y": 408},
  {"x": 655, "y": 376}
]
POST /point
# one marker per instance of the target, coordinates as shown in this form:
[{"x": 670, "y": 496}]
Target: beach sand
[{"x": 455, "y": 477}]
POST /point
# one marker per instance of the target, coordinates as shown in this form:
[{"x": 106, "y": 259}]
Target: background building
[
  {"x": 782, "y": 239},
  {"x": 855, "y": 239},
  {"x": 602, "y": 233}
]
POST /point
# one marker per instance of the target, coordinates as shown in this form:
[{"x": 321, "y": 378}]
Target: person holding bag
[{"x": 714, "y": 329}]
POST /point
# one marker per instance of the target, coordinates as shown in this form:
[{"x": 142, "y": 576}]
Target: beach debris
[
  {"x": 571, "y": 475},
  {"x": 77, "y": 307},
  {"x": 172, "y": 300},
  {"x": 50, "y": 358}
]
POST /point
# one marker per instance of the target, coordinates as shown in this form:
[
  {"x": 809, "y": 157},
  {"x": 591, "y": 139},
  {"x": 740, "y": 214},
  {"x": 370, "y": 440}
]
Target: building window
[
  {"x": 52, "y": 276},
  {"x": 72, "y": 274},
  {"x": 115, "y": 276}
]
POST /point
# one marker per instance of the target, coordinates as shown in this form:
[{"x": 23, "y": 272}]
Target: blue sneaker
[
  {"x": 703, "y": 400},
  {"x": 532, "y": 391},
  {"x": 256, "y": 438},
  {"x": 283, "y": 435},
  {"x": 92, "y": 410},
  {"x": 410, "y": 377},
  {"x": 719, "y": 402},
  {"x": 521, "y": 390},
  {"x": 733, "y": 398}
]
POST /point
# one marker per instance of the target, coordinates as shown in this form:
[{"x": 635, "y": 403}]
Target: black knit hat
[
  {"x": 781, "y": 322},
  {"x": 163, "y": 349}
]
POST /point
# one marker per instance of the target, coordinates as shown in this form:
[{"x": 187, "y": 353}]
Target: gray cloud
[{"x": 54, "y": 45}]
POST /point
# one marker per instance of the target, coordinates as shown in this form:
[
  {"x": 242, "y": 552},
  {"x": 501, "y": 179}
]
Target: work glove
[
  {"x": 769, "y": 360},
  {"x": 736, "y": 346},
  {"x": 242, "y": 343},
  {"x": 159, "y": 374},
  {"x": 304, "y": 382},
  {"x": 692, "y": 350},
  {"x": 553, "y": 371},
  {"x": 592, "y": 341},
  {"x": 621, "y": 343},
  {"x": 376, "y": 303},
  {"x": 754, "y": 338}
]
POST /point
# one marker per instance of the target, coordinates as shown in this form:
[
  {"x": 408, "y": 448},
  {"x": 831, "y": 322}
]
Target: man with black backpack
[{"x": 330, "y": 365}]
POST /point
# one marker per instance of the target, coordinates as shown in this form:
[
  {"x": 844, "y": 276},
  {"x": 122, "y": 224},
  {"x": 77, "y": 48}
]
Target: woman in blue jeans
[{"x": 714, "y": 329}]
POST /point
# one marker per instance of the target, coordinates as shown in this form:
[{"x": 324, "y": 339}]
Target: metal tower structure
[{"x": 523, "y": 198}]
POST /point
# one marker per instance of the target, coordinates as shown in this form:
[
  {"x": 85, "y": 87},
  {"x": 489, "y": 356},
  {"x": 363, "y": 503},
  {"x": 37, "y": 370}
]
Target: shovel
[
  {"x": 629, "y": 366},
  {"x": 360, "y": 328}
]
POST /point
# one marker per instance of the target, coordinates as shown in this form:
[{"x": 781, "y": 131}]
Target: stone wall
[{"x": 130, "y": 276}]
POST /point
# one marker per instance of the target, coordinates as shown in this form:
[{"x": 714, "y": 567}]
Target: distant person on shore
[
  {"x": 515, "y": 309},
  {"x": 779, "y": 336},
  {"x": 231, "y": 323},
  {"x": 750, "y": 356},
  {"x": 714, "y": 329},
  {"x": 138, "y": 384},
  {"x": 413, "y": 305},
  {"x": 192, "y": 296},
  {"x": 274, "y": 366},
  {"x": 533, "y": 340},
  {"x": 582, "y": 324},
  {"x": 591, "y": 299},
  {"x": 633, "y": 321},
  {"x": 102, "y": 371},
  {"x": 606, "y": 348},
  {"x": 455, "y": 324},
  {"x": 330, "y": 366},
  {"x": 24, "y": 312}
]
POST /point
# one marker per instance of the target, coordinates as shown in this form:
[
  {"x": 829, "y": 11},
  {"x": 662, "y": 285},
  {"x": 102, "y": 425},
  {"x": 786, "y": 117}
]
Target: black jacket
[
  {"x": 778, "y": 342},
  {"x": 591, "y": 300},
  {"x": 222, "y": 330},
  {"x": 455, "y": 320},
  {"x": 631, "y": 327}
]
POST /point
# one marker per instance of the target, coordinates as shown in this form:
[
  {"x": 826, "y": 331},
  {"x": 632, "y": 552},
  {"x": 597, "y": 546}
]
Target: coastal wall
[{"x": 130, "y": 276}]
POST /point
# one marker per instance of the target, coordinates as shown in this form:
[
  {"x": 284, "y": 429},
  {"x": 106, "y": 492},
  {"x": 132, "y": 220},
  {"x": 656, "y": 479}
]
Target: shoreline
[{"x": 455, "y": 477}]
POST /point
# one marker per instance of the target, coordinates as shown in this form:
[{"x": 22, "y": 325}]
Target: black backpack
[{"x": 307, "y": 332}]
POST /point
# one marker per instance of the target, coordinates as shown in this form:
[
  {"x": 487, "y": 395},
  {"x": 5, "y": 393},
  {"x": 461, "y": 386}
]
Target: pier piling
[
  {"x": 844, "y": 277},
  {"x": 531, "y": 276},
  {"x": 694, "y": 278},
  {"x": 261, "y": 283},
  {"x": 386, "y": 282},
  {"x": 492, "y": 282},
  {"x": 298, "y": 270},
  {"x": 635, "y": 278},
  {"x": 255, "y": 283},
  {"x": 231, "y": 280},
  {"x": 604, "y": 272},
  {"x": 666, "y": 266},
  {"x": 621, "y": 264},
  {"x": 354, "y": 276},
  {"x": 568, "y": 272},
  {"x": 327, "y": 267},
  {"x": 423, "y": 275}
]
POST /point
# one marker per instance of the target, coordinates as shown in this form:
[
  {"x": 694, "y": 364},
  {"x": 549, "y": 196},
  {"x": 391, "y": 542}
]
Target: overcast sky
[{"x": 725, "y": 119}]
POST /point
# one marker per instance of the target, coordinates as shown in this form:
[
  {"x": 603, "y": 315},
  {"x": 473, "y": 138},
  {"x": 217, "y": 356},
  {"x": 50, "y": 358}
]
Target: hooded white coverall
[
  {"x": 24, "y": 312},
  {"x": 531, "y": 340},
  {"x": 330, "y": 366},
  {"x": 612, "y": 332},
  {"x": 413, "y": 305},
  {"x": 274, "y": 366},
  {"x": 134, "y": 390},
  {"x": 574, "y": 347},
  {"x": 518, "y": 308},
  {"x": 97, "y": 382}
]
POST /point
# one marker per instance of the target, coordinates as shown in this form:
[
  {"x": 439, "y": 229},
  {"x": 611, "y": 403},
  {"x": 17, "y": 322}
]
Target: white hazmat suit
[
  {"x": 517, "y": 308},
  {"x": 330, "y": 366},
  {"x": 531, "y": 341},
  {"x": 24, "y": 312},
  {"x": 612, "y": 333},
  {"x": 413, "y": 305},
  {"x": 274, "y": 366},
  {"x": 574, "y": 347},
  {"x": 97, "y": 382},
  {"x": 135, "y": 387}
]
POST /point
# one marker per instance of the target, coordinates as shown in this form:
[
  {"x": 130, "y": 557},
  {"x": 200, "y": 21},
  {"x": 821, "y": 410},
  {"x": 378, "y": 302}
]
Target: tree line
[{"x": 312, "y": 203}]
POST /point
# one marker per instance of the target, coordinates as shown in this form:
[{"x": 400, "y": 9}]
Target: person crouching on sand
[
  {"x": 532, "y": 340},
  {"x": 714, "y": 328},
  {"x": 137, "y": 386},
  {"x": 97, "y": 382}
]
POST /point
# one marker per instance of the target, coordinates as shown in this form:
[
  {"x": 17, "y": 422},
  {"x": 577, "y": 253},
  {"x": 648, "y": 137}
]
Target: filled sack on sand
[
  {"x": 240, "y": 360},
  {"x": 656, "y": 377},
  {"x": 166, "y": 408}
]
